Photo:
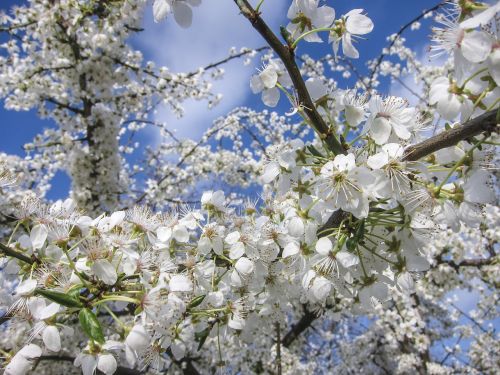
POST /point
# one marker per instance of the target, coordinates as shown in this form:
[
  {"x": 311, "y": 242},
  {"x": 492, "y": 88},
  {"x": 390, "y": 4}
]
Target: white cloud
[{"x": 217, "y": 26}]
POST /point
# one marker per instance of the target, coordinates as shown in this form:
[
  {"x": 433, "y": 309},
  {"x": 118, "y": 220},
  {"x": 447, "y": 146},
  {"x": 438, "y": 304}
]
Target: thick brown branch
[
  {"x": 287, "y": 56},
  {"x": 486, "y": 123},
  {"x": 185, "y": 364},
  {"x": 304, "y": 323},
  {"x": 15, "y": 254}
]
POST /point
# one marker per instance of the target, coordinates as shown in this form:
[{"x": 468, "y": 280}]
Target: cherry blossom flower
[
  {"x": 266, "y": 82},
  {"x": 449, "y": 103},
  {"x": 342, "y": 184},
  {"x": 389, "y": 160},
  {"x": 388, "y": 115},
  {"x": 306, "y": 15},
  {"x": 352, "y": 24},
  {"x": 474, "y": 45}
]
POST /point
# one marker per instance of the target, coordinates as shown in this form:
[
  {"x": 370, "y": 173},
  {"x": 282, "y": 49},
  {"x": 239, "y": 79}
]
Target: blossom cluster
[{"x": 334, "y": 233}]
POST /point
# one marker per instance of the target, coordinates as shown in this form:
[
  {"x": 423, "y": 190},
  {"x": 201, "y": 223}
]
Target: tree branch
[
  {"x": 287, "y": 56},
  {"x": 486, "y": 123},
  {"x": 15, "y": 254},
  {"x": 473, "y": 263},
  {"x": 304, "y": 323},
  {"x": 185, "y": 364},
  {"x": 229, "y": 58}
]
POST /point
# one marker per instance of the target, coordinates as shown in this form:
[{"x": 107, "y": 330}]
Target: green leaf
[
  {"x": 74, "y": 291},
  {"x": 351, "y": 244},
  {"x": 314, "y": 151},
  {"x": 201, "y": 337},
  {"x": 360, "y": 232},
  {"x": 196, "y": 301},
  {"x": 91, "y": 325},
  {"x": 63, "y": 299}
]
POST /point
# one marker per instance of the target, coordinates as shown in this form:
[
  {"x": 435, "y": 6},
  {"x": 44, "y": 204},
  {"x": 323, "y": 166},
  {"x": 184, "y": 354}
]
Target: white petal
[
  {"x": 316, "y": 88},
  {"x": 477, "y": 188},
  {"x": 271, "y": 171},
  {"x": 380, "y": 130},
  {"x": 347, "y": 259},
  {"x": 107, "y": 364},
  {"x": 18, "y": 365},
  {"x": 269, "y": 77},
  {"x": 105, "y": 271},
  {"x": 290, "y": 249},
  {"x": 88, "y": 363},
  {"x": 449, "y": 106},
  {"x": 51, "y": 338},
  {"x": 439, "y": 88},
  {"x": 178, "y": 350},
  {"x": 38, "y": 236},
  {"x": 117, "y": 218},
  {"x": 378, "y": 160},
  {"x": 321, "y": 288},
  {"x": 296, "y": 227},
  {"x": 359, "y": 24},
  {"x": 237, "y": 250},
  {"x": 218, "y": 245},
  {"x": 476, "y": 46},
  {"x": 401, "y": 130},
  {"x": 164, "y": 234},
  {"x": 30, "y": 351},
  {"x": 160, "y": 9},
  {"x": 344, "y": 162},
  {"x": 233, "y": 237},
  {"x": 324, "y": 16},
  {"x": 180, "y": 283},
  {"x": 183, "y": 14},
  {"x": 236, "y": 279},
  {"x": 181, "y": 233},
  {"x": 348, "y": 48},
  {"x": 256, "y": 84},
  {"x": 324, "y": 246},
  {"x": 354, "y": 115},
  {"x": 494, "y": 65},
  {"x": 53, "y": 252},
  {"x": 244, "y": 266},
  {"x": 237, "y": 324},
  {"x": 26, "y": 288},
  {"x": 406, "y": 283},
  {"x": 393, "y": 150},
  {"x": 138, "y": 339},
  {"x": 270, "y": 97},
  {"x": 416, "y": 263},
  {"x": 49, "y": 311}
]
